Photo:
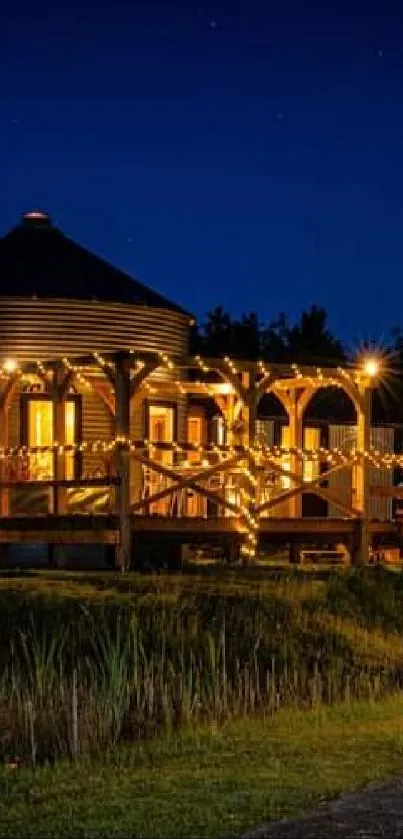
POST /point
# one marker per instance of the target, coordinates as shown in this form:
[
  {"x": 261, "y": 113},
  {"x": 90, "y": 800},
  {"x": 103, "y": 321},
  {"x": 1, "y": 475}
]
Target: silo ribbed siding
[{"x": 32, "y": 329}]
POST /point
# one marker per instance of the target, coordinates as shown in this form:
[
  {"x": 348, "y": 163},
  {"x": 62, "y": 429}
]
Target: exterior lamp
[
  {"x": 372, "y": 366},
  {"x": 10, "y": 365}
]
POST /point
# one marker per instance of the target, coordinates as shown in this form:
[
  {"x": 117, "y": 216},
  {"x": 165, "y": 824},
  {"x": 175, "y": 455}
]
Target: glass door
[{"x": 161, "y": 430}]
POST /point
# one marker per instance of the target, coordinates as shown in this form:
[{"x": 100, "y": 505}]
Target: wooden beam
[
  {"x": 104, "y": 391},
  {"x": 59, "y": 537},
  {"x": 386, "y": 491},
  {"x": 64, "y": 383},
  {"x": 281, "y": 371},
  {"x": 122, "y": 429},
  {"x": 361, "y": 477},
  {"x": 5, "y": 400},
  {"x": 59, "y": 458},
  {"x": 296, "y": 441},
  {"x": 285, "y": 496},
  {"x": 142, "y": 375},
  {"x": 182, "y": 481},
  {"x": 66, "y": 484},
  {"x": 303, "y": 486}
]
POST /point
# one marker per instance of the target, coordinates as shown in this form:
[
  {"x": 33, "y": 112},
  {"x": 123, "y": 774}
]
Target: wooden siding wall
[
  {"x": 97, "y": 424},
  {"x": 14, "y": 418}
]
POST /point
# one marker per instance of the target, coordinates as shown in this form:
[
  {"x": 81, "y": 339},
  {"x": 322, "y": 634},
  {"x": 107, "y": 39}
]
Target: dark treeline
[{"x": 308, "y": 340}]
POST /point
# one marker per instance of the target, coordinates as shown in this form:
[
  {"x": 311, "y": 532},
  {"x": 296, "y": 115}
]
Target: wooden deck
[
  {"x": 104, "y": 529},
  {"x": 146, "y": 485}
]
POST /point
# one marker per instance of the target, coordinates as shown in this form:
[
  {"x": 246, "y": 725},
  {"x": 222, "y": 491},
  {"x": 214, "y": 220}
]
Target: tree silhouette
[
  {"x": 310, "y": 340},
  {"x": 246, "y": 337},
  {"x": 307, "y": 341}
]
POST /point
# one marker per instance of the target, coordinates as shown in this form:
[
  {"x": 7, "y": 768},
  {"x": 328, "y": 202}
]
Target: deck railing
[{"x": 177, "y": 481}]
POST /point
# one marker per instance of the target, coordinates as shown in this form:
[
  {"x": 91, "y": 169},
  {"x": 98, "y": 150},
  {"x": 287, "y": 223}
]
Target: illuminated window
[
  {"x": 40, "y": 432},
  {"x": 194, "y": 436},
  {"x": 161, "y": 429}
]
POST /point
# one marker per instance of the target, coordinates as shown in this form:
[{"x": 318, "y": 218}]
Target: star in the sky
[
  {"x": 380, "y": 53},
  {"x": 213, "y": 24}
]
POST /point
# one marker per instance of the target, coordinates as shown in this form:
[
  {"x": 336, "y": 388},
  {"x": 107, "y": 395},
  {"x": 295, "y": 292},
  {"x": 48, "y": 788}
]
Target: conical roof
[{"x": 38, "y": 260}]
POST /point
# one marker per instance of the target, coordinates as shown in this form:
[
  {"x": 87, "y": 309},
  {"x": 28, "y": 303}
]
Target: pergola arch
[
  {"x": 309, "y": 393},
  {"x": 296, "y": 393}
]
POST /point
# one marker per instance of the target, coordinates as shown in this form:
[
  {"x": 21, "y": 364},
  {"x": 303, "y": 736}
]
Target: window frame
[{"x": 27, "y": 397}]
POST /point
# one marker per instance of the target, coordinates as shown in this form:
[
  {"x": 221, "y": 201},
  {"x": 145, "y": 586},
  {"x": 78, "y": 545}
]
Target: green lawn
[
  {"x": 218, "y": 783},
  {"x": 291, "y": 679}
]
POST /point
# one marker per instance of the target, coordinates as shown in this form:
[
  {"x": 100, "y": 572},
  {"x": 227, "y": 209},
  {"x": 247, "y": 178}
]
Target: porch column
[
  {"x": 4, "y": 492},
  {"x": 5, "y": 400},
  {"x": 59, "y": 467},
  {"x": 295, "y": 419},
  {"x": 249, "y": 414},
  {"x": 361, "y": 476},
  {"x": 122, "y": 430},
  {"x": 229, "y": 416}
]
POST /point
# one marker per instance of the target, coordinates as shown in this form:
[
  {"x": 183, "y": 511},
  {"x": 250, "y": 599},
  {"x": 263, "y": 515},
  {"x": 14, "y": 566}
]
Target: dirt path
[{"x": 376, "y": 811}]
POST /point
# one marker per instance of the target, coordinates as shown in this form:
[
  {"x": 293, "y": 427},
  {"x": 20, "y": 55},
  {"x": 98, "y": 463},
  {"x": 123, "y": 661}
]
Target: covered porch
[{"x": 117, "y": 436}]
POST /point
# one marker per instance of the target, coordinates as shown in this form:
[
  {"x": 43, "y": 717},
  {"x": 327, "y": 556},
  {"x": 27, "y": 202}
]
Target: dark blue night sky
[{"x": 243, "y": 153}]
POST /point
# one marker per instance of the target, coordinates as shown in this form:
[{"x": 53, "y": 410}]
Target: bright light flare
[
  {"x": 372, "y": 366},
  {"x": 10, "y": 365}
]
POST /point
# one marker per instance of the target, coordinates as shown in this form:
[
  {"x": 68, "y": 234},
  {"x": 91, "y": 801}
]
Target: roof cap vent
[{"x": 36, "y": 218}]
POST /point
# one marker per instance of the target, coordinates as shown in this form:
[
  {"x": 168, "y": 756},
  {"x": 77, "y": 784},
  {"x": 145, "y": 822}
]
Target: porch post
[
  {"x": 122, "y": 430},
  {"x": 59, "y": 419},
  {"x": 5, "y": 400},
  {"x": 4, "y": 492},
  {"x": 296, "y": 441},
  {"x": 249, "y": 414},
  {"x": 361, "y": 475}
]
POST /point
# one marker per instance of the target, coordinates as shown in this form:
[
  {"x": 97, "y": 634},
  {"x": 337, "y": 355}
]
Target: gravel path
[{"x": 377, "y": 811}]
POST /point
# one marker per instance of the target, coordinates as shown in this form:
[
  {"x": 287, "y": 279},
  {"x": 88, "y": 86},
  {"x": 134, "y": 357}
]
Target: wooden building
[{"x": 110, "y": 430}]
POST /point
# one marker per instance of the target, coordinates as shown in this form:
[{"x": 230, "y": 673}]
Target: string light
[{"x": 258, "y": 457}]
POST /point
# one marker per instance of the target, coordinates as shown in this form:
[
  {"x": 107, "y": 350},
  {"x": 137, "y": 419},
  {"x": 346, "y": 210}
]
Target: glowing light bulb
[
  {"x": 371, "y": 366},
  {"x": 10, "y": 365}
]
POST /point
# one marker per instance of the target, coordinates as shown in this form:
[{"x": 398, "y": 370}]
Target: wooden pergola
[{"x": 122, "y": 380}]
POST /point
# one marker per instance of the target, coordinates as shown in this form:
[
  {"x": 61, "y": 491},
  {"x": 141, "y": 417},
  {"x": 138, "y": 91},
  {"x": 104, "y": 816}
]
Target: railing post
[{"x": 122, "y": 432}]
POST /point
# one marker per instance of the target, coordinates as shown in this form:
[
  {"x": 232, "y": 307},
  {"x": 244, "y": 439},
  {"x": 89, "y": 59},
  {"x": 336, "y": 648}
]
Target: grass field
[
  {"x": 212, "y": 783},
  {"x": 126, "y": 702}
]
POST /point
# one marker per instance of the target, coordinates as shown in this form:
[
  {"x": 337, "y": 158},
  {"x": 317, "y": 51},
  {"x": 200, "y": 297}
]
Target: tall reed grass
[{"x": 77, "y": 680}]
